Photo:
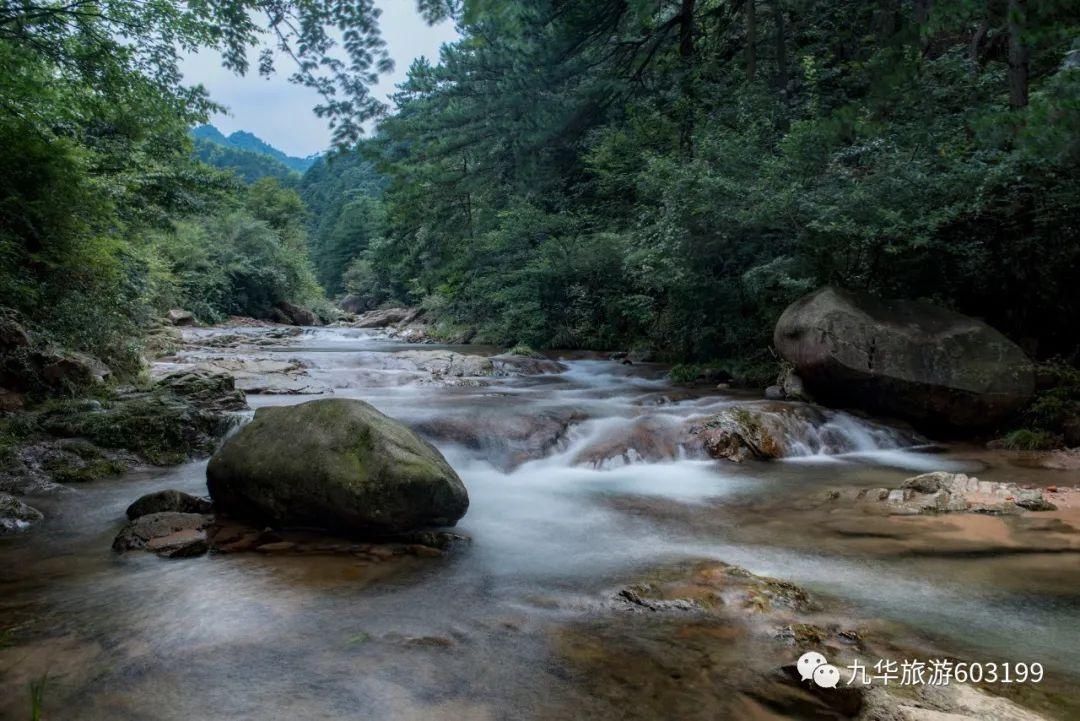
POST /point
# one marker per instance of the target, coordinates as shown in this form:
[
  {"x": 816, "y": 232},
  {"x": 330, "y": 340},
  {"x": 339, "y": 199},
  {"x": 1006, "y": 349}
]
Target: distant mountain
[
  {"x": 248, "y": 142},
  {"x": 249, "y": 166}
]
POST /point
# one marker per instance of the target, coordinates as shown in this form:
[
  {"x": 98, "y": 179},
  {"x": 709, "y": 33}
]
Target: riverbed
[{"x": 506, "y": 626}]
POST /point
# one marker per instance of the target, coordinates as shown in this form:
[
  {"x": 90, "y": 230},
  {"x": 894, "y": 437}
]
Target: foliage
[
  {"x": 611, "y": 173},
  {"x": 342, "y": 192},
  {"x": 247, "y": 165},
  {"x": 1026, "y": 439},
  {"x": 244, "y": 258}
]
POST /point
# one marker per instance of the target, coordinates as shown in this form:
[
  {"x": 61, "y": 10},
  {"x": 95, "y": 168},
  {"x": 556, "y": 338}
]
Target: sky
[{"x": 279, "y": 112}]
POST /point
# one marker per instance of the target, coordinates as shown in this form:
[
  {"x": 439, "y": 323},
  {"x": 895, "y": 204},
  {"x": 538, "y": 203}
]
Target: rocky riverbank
[{"x": 618, "y": 561}]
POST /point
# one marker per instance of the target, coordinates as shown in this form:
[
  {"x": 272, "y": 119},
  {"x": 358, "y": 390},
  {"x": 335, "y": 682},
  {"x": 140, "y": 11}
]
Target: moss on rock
[{"x": 337, "y": 464}]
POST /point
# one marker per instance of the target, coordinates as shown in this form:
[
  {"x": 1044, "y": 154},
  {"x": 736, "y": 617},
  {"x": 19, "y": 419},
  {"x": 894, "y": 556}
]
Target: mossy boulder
[
  {"x": 158, "y": 426},
  {"x": 908, "y": 359},
  {"x": 336, "y": 464},
  {"x": 208, "y": 390}
]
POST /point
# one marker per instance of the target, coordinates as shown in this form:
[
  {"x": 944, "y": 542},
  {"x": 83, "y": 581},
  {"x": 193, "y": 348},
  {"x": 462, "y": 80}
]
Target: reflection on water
[{"x": 469, "y": 636}]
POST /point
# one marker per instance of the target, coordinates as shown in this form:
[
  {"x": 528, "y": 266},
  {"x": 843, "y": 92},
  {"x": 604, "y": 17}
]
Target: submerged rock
[
  {"x": 765, "y": 430},
  {"x": 505, "y": 440},
  {"x": 914, "y": 360},
  {"x": 650, "y": 439},
  {"x": 170, "y": 534},
  {"x": 336, "y": 464},
  {"x": 168, "y": 500},
  {"x": 15, "y": 515}
]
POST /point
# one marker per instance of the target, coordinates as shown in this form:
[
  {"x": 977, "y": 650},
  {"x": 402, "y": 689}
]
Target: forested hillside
[
  {"x": 244, "y": 144},
  {"x": 612, "y": 173},
  {"x": 247, "y": 165},
  {"x": 609, "y": 174},
  {"x": 343, "y": 193},
  {"x": 106, "y": 219}
]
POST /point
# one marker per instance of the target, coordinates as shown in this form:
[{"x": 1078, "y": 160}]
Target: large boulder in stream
[
  {"x": 336, "y": 464},
  {"x": 910, "y": 359}
]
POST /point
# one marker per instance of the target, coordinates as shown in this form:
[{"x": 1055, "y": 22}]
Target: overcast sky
[{"x": 280, "y": 112}]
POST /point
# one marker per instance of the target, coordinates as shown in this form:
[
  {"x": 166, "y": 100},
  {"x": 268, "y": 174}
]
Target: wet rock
[
  {"x": 205, "y": 389},
  {"x": 1063, "y": 460},
  {"x": 650, "y": 439},
  {"x": 72, "y": 371},
  {"x": 170, "y": 534},
  {"x": 441, "y": 364},
  {"x": 296, "y": 315},
  {"x": 904, "y": 358},
  {"x": 774, "y": 393},
  {"x": 386, "y": 317},
  {"x": 793, "y": 387},
  {"x": 943, "y": 492},
  {"x": 846, "y": 700},
  {"x": 168, "y": 500},
  {"x": 265, "y": 375},
  {"x": 16, "y": 516},
  {"x": 505, "y": 439},
  {"x": 180, "y": 317},
  {"x": 40, "y": 467},
  {"x": 157, "y": 425},
  {"x": 162, "y": 341},
  {"x": 336, "y": 464},
  {"x": 766, "y": 430},
  {"x": 522, "y": 365},
  {"x": 954, "y": 702},
  {"x": 738, "y": 434}
]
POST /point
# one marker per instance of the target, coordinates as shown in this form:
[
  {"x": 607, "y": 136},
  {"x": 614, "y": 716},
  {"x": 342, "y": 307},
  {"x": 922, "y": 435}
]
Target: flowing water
[{"x": 564, "y": 511}]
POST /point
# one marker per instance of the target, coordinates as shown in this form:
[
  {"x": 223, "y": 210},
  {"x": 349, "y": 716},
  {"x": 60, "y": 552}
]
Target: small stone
[
  {"x": 1036, "y": 503},
  {"x": 276, "y": 547},
  {"x": 16, "y": 516}
]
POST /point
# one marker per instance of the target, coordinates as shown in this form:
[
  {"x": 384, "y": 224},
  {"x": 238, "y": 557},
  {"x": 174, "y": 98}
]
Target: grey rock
[
  {"x": 168, "y": 500},
  {"x": 159, "y": 532},
  {"x": 910, "y": 359},
  {"x": 16, "y": 516},
  {"x": 337, "y": 464}
]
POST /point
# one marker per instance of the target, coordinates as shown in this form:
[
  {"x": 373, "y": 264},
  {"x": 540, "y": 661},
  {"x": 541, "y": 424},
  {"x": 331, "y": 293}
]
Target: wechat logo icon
[{"x": 816, "y": 668}]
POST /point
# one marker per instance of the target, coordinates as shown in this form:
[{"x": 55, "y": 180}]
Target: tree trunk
[
  {"x": 922, "y": 11},
  {"x": 781, "y": 47},
  {"x": 977, "y": 40},
  {"x": 888, "y": 20},
  {"x": 751, "y": 39},
  {"x": 1019, "y": 55},
  {"x": 686, "y": 55}
]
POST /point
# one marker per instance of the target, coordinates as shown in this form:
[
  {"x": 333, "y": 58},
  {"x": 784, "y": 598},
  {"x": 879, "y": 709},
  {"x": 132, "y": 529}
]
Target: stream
[{"x": 505, "y": 626}]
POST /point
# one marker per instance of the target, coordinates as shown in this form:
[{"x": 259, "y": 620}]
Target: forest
[
  {"x": 663, "y": 176},
  {"x": 629, "y": 359}
]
